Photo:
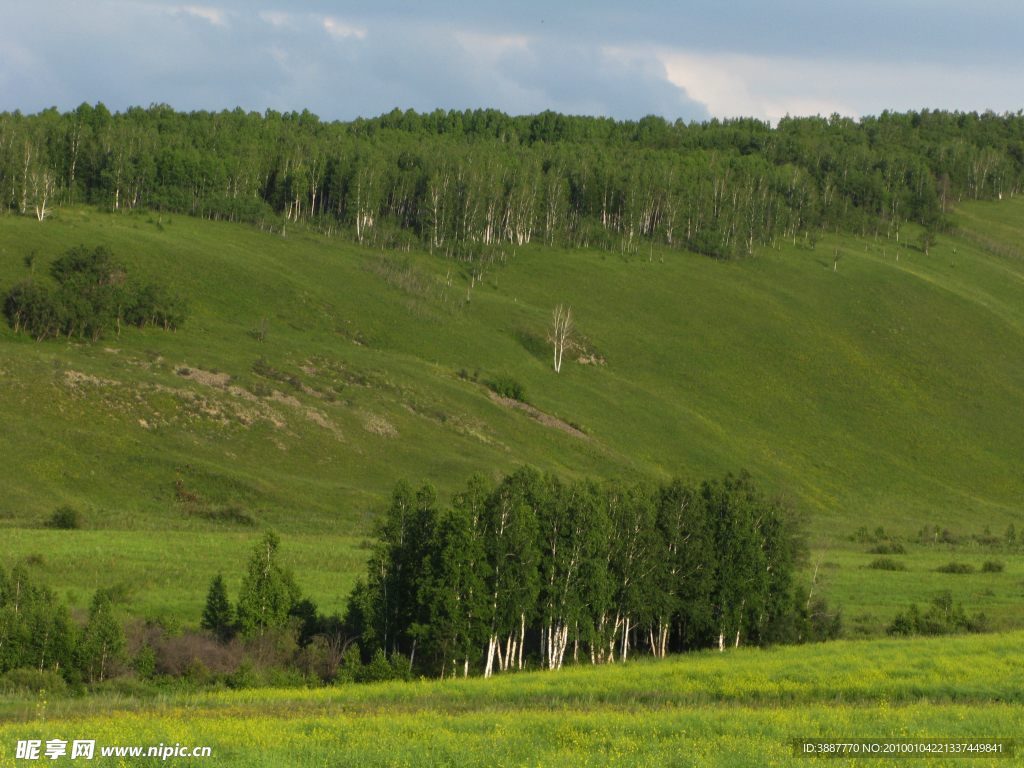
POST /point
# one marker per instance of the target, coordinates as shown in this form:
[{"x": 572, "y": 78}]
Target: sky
[{"x": 681, "y": 59}]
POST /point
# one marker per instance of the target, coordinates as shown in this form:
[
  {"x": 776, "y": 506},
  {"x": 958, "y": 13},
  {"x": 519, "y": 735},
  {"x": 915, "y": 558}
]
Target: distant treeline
[
  {"x": 93, "y": 292},
  {"x": 584, "y": 571},
  {"x": 463, "y": 182}
]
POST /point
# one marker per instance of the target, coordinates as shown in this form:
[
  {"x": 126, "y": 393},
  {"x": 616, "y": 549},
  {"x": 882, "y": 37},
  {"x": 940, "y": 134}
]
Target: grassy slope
[
  {"x": 884, "y": 392},
  {"x": 738, "y": 708}
]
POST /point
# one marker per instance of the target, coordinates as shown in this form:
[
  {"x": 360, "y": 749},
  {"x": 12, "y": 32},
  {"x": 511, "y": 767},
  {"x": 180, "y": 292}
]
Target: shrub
[
  {"x": 942, "y": 618},
  {"x": 377, "y": 671},
  {"x": 244, "y": 677},
  {"x": 32, "y": 681},
  {"x": 196, "y": 673},
  {"x": 401, "y": 667},
  {"x": 145, "y": 661},
  {"x": 894, "y": 548},
  {"x": 992, "y": 566},
  {"x": 506, "y": 386},
  {"x": 118, "y": 594},
  {"x": 956, "y": 568},
  {"x": 886, "y": 564},
  {"x": 65, "y": 518}
]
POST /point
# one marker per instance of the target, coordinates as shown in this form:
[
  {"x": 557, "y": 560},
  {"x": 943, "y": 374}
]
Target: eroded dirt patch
[{"x": 544, "y": 418}]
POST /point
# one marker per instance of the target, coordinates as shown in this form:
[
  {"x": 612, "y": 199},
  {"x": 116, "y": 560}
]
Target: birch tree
[
  {"x": 453, "y": 590},
  {"x": 511, "y": 542},
  {"x": 573, "y": 533},
  {"x": 560, "y": 333}
]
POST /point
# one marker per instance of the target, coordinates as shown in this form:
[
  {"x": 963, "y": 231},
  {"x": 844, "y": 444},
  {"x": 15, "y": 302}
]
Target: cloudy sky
[{"x": 681, "y": 59}]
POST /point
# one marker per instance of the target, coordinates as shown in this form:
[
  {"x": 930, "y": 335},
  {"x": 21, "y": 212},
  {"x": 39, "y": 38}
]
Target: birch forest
[
  {"x": 582, "y": 572},
  {"x": 465, "y": 183}
]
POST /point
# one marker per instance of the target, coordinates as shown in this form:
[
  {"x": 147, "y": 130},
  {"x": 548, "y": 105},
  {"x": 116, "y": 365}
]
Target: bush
[
  {"x": 888, "y": 549},
  {"x": 886, "y": 564},
  {"x": 942, "y": 618},
  {"x": 145, "y": 662},
  {"x": 956, "y": 568},
  {"x": 33, "y": 681},
  {"x": 377, "y": 671},
  {"x": 992, "y": 566},
  {"x": 65, "y": 518},
  {"x": 506, "y": 386},
  {"x": 244, "y": 677}
]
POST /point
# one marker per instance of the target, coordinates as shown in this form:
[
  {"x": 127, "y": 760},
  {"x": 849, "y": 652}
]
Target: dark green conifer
[{"x": 218, "y": 615}]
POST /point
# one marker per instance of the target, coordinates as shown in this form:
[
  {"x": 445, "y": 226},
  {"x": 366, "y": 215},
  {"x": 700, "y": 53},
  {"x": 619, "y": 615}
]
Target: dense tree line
[
  {"x": 539, "y": 568},
  {"x": 93, "y": 292},
  {"x": 463, "y": 182},
  {"x": 37, "y": 632}
]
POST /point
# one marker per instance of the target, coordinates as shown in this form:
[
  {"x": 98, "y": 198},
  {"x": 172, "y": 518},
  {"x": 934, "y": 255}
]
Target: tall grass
[{"x": 737, "y": 708}]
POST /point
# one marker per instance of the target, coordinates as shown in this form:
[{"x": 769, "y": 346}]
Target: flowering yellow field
[{"x": 734, "y": 709}]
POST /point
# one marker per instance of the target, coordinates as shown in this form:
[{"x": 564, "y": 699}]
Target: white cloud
[
  {"x": 490, "y": 48},
  {"x": 276, "y": 18},
  {"x": 213, "y": 15},
  {"x": 339, "y": 30},
  {"x": 738, "y": 85}
]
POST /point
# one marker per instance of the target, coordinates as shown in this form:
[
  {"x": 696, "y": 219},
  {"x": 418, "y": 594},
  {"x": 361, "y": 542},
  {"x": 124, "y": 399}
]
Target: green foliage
[
  {"x": 33, "y": 681},
  {"x": 35, "y": 630},
  {"x": 507, "y": 386},
  {"x": 103, "y": 641},
  {"x": 144, "y": 661},
  {"x": 585, "y": 565},
  {"x": 377, "y": 671},
  {"x": 268, "y": 591},
  {"x": 993, "y": 566},
  {"x": 93, "y": 293},
  {"x": 246, "y": 676},
  {"x": 942, "y": 618},
  {"x": 218, "y": 615},
  {"x": 65, "y": 518},
  {"x": 958, "y": 568},
  {"x": 894, "y": 548},
  {"x": 887, "y": 564}
]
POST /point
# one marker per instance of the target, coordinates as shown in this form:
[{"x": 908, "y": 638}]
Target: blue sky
[{"x": 690, "y": 60}]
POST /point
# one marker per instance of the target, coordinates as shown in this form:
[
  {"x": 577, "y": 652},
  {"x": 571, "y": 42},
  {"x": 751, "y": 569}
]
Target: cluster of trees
[
  {"x": 539, "y": 568},
  {"x": 464, "y": 181},
  {"x": 942, "y": 617},
  {"x": 269, "y": 599},
  {"x": 93, "y": 292},
  {"x": 38, "y": 633}
]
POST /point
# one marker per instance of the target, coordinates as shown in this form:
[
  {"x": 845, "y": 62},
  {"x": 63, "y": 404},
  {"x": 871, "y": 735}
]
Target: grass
[
  {"x": 168, "y": 575},
  {"x": 885, "y": 392},
  {"x": 738, "y": 708}
]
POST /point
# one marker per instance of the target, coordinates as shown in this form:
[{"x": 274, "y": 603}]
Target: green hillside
[{"x": 872, "y": 390}]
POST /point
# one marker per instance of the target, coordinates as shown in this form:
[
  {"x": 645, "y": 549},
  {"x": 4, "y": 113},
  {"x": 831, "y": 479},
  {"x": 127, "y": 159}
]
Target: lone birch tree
[{"x": 560, "y": 333}]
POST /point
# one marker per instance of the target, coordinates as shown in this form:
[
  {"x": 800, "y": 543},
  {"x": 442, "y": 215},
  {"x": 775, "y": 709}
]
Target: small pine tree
[{"x": 218, "y": 615}]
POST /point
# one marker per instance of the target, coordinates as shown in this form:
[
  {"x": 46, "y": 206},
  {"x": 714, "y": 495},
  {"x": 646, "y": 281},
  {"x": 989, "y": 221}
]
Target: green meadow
[
  {"x": 881, "y": 390},
  {"x": 738, "y": 708},
  {"x": 870, "y": 383}
]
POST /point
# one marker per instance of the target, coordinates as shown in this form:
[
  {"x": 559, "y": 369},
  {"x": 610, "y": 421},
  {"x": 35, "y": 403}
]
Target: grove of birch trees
[
  {"x": 533, "y": 570},
  {"x": 465, "y": 182}
]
